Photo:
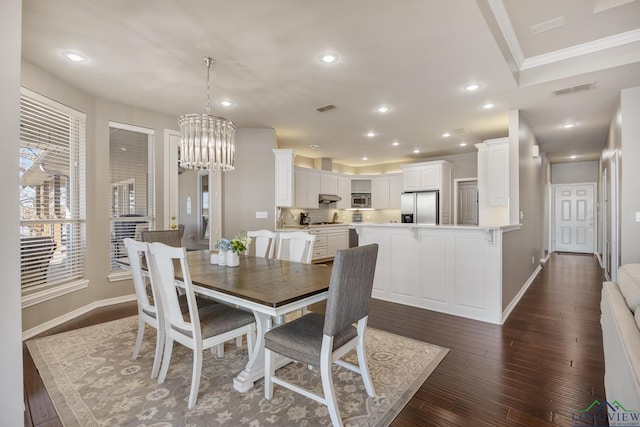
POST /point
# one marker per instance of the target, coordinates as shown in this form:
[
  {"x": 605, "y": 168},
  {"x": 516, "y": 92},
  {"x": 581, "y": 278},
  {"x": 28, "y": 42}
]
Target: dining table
[{"x": 269, "y": 288}]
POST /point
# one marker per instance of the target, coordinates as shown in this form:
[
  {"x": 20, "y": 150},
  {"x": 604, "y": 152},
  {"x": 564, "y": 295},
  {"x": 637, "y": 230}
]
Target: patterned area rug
[{"x": 92, "y": 381}]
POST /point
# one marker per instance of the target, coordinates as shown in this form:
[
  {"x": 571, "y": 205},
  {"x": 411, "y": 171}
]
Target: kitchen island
[{"x": 446, "y": 268}]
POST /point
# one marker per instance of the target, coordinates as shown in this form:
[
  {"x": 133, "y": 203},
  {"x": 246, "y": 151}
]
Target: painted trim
[
  {"x": 49, "y": 294},
  {"x": 514, "y": 302},
  {"x": 610, "y": 42},
  {"x": 546, "y": 258},
  {"x": 510, "y": 38},
  {"x": 30, "y": 333},
  {"x": 119, "y": 276}
]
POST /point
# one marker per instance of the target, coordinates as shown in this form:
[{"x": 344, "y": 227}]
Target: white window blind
[
  {"x": 132, "y": 202},
  {"x": 52, "y": 193}
]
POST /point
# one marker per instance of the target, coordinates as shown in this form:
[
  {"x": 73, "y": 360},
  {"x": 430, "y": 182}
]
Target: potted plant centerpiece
[{"x": 236, "y": 245}]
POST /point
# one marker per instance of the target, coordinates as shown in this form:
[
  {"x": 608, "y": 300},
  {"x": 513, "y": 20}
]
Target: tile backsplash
[{"x": 326, "y": 215}]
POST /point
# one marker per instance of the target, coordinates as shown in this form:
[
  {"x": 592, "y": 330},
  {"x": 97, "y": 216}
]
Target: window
[
  {"x": 132, "y": 202},
  {"x": 52, "y": 195}
]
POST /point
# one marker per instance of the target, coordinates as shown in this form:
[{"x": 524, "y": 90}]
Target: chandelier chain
[{"x": 208, "y": 61}]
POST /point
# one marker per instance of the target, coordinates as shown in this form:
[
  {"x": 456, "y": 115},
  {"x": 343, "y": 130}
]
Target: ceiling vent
[
  {"x": 325, "y": 108},
  {"x": 574, "y": 89}
]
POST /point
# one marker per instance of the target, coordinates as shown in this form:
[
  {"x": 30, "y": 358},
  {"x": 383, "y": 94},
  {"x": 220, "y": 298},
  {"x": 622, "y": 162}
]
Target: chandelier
[{"x": 206, "y": 141}]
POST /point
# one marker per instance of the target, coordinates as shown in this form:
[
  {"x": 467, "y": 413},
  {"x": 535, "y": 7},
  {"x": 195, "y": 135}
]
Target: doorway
[
  {"x": 574, "y": 221},
  {"x": 192, "y": 201},
  {"x": 466, "y": 201}
]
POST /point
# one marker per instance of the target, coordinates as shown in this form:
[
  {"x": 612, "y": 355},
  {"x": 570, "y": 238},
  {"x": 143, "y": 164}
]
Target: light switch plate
[
  {"x": 637, "y": 216},
  {"x": 262, "y": 214}
]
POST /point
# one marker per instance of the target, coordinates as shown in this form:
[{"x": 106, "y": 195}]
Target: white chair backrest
[
  {"x": 163, "y": 273},
  {"x": 264, "y": 242},
  {"x": 135, "y": 251},
  {"x": 300, "y": 246}
]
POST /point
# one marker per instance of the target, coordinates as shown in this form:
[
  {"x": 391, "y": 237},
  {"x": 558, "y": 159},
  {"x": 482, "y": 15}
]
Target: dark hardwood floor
[{"x": 545, "y": 363}]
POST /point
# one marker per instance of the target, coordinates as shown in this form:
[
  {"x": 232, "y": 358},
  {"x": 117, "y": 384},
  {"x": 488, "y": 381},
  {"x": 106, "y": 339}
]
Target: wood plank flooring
[{"x": 543, "y": 364}]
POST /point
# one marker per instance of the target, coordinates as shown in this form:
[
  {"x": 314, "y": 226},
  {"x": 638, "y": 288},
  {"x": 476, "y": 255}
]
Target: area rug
[{"x": 92, "y": 381}]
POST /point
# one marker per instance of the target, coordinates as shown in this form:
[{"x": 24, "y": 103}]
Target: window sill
[
  {"x": 119, "y": 276},
  {"x": 49, "y": 294}
]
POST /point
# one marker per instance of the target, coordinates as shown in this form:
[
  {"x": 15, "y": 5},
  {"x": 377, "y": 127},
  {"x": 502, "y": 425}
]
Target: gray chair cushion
[
  {"x": 217, "y": 319},
  {"x": 301, "y": 339}
]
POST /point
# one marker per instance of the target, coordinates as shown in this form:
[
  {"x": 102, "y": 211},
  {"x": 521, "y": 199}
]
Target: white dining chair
[
  {"x": 321, "y": 340},
  {"x": 300, "y": 246},
  {"x": 148, "y": 311},
  {"x": 264, "y": 242},
  {"x": 204, "y": 328}
]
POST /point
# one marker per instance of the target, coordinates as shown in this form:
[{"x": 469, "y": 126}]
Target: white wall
[
  {"x": 574, "y": 172},
  {"x": 630, "y": 174},
  {"x": 11, "y": 389},
  {"x": 250, "y": 188}
]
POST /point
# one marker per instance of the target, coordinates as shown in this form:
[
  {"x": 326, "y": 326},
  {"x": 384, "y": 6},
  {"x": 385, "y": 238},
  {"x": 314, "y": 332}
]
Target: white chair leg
[
  {"x": 158, "y": 355},
  {"x": 364, "y": 369},
  {"x": 136, "y": 348},
  {"x": 269, "y": 364},
  {"x": 239, "y": 341},
  {"x": 329, "y": 392},
  {"x": 195, "y": 377},
  {"x": 166, "y": 359},
  {"x": 219, "y": 350}
]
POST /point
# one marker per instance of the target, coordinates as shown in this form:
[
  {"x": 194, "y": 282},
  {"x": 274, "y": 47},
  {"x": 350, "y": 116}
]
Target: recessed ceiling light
[
  {"x": 568, "y": 125},
  {"x": 395, "y": 143},
  {"x": 365, "y": 158},
  {"x": 314, "y": 146},
  {"x": 383, "y": 109},
  {"x": 329, "y": 58},
  {"x": 371, "y": 134},
  {"x": 226, "y": 103},
  {"x": 416, "y": 151},
  {"x": 74, "y": 56},
  {"x": 488, "y": 106},
  {"x": 463, "y": 144},
  {"x": 573, "y": 156},
  {"x": 123, "y": 149},
  {"x": 446, "y": 135},
  {"x": 472, "y": 87}
]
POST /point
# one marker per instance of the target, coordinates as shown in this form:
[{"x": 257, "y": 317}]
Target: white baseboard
[
  {"x": 546, "y": 258},
  {"x": 507, "y": 311},
  {"x": 75, "y": 313}
]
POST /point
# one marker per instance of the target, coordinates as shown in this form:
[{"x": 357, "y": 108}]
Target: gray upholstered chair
[
  {"x": 168, "y": 237},
  {"x": 201, "y": 328},
  {"x": 320, "y": 340}
]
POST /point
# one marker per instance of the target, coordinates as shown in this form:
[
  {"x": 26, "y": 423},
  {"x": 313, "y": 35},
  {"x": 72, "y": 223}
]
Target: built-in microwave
[{"x": 361, "y": 200}]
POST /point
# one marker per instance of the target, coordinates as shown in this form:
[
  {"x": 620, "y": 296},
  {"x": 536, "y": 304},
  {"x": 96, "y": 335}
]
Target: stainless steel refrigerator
[{"x": 420, "y": 207}]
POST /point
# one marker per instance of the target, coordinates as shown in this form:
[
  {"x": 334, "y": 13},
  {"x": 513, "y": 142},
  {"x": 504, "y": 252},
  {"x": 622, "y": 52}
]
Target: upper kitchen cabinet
[
  {"x": 344, "y": 191},
  {"x": 328, "y": 183},
  {"x": 426, "y": 176},
  {"x": 395, "y": 190},
  {"x": 498, "y": 171},
  {"x": 284, "y": 187},
  {"x": 307, "y": 188},
  {"x": 380, "y": 192}
]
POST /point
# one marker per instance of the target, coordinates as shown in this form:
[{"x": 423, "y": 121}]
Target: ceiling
[{"x": 414, "y": 56}]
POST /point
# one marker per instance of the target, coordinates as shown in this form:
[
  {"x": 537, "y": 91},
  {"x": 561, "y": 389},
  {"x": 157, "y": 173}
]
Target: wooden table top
[{"x": 269, "y": 282}]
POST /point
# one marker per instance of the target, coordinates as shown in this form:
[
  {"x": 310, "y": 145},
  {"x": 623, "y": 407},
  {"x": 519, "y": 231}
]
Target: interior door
[
  {"x": 468, "y": 203},
  {"x": 574, "y": 222},
  {"x": 186, "y": 203}
]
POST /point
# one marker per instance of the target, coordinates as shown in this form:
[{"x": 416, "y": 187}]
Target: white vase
[
  {"x": 233, "y": 259},
  {"x": 222, "y": 258},
  {"x": 214, "y": 257}
]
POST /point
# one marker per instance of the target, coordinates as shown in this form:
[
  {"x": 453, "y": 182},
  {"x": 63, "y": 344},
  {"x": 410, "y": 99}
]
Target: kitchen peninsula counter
[{"x": 454, "y": 269}]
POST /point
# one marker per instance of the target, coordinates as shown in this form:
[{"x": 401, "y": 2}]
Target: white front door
[
  {"x": 468, "y": 203},
  {"x": 574, "y": 221}
]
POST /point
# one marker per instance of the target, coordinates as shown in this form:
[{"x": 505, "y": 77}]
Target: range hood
[{"x": 328, "y": 198}]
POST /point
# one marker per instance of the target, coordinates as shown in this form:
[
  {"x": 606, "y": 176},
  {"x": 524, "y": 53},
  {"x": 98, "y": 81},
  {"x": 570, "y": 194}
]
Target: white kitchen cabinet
[
  {"x": 498, "y": 171},
  {"x": 344, "y": 191},
  {"x": 329, "y": 239},
  {"x": 380, "y": 192},
  {"x": 307, "y": 186},
  {"x": 328, "y": 183},
  {"x": 284, "y": 186},
  {"x": 395, "y": 191},
  {"x": 426, "y": 176}
]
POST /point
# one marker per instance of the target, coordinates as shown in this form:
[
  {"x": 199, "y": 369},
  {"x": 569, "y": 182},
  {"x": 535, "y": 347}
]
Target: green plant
[{"x": 240, "y": 242}]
